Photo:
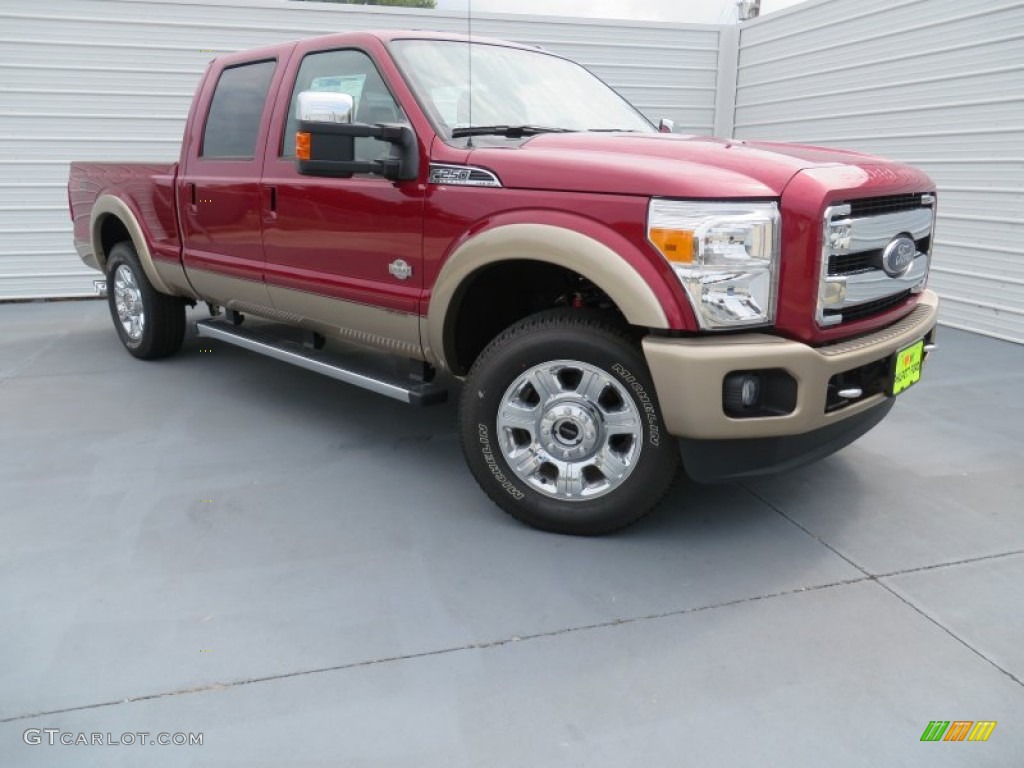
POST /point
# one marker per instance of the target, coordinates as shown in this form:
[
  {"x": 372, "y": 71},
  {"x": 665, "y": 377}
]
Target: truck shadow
[{"x": 342, "y": 421}]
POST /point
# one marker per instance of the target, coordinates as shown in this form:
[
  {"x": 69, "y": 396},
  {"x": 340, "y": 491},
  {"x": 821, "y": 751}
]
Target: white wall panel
[
  {"x": 936, "y": 83},
  {"x": 113, "y": 80}
]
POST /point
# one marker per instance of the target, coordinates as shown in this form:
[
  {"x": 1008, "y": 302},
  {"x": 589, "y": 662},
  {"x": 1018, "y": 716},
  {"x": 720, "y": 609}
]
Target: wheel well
[
  {"x": 112, "y": 232},
  {"x": 499, "y": 295}
]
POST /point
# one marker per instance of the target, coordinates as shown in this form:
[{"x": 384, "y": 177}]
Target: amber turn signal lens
[
  {"x": 302, "y": 142},
  {"x": 675, "y": 244}
]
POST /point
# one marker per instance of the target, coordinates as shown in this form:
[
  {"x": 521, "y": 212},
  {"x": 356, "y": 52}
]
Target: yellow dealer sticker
[{"x": 908, "y": 367}]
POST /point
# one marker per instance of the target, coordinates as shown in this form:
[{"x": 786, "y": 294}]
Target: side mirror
[
  {"x": 325, "y": 107},
  {"x": 325, "y": 141},
  {"x": 666, "y": 125}
]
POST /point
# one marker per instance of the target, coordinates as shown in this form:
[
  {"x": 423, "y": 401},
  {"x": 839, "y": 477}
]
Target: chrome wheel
[
  {"x": 128, "y": 302},
  {"x": 569, "y": 430}
]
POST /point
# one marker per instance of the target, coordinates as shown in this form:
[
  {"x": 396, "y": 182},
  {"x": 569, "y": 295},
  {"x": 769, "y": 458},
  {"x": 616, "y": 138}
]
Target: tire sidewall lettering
[
  {"x": 644, "y": 401},
  {"x": 492, "y": 464}
]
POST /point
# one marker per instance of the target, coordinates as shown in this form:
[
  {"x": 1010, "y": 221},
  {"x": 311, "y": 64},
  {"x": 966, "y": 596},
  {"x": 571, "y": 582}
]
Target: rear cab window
[{"x": 236, "y": 110}]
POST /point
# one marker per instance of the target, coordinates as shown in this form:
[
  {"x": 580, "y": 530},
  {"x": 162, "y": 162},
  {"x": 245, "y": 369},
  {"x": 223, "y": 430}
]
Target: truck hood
[{"x": 668, "y": 165}]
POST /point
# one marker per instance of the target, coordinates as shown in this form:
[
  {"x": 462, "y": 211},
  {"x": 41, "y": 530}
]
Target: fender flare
[
  {"x": 109, "y": 205},
  {"x": 556, "y": 245}
]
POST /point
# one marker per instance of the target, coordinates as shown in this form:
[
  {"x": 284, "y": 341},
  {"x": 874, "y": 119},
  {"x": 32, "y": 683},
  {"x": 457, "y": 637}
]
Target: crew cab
[{"x": 616, "y": 299}]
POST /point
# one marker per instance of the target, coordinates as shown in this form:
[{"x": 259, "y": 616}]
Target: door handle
[
  {"x": 192, "y": 200},
  {"x": 270, "y": 203}
]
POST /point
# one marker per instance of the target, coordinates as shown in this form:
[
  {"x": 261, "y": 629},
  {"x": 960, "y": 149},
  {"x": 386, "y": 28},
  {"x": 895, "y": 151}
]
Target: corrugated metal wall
[
  {"x": 113, "y": 79},
  {"x": 936, "y": 83}
]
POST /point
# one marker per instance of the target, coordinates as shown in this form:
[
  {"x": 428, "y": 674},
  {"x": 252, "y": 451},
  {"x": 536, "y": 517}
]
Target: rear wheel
[
  {"x": 150, "y": 324},
  {"x": 561, "y": 428}
]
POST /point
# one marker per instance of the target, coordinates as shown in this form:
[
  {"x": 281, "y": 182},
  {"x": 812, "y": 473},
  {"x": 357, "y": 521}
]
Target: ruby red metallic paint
[{"x": 331, "y": 239}]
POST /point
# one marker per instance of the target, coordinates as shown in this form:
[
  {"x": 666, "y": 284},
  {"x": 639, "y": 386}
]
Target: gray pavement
[{"x": 306, "y": 574}]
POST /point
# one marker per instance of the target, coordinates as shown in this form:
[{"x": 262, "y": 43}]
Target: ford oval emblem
[{"x": 898, "y": 256}]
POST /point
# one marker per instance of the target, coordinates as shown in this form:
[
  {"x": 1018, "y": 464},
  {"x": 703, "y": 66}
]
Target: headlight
[{"x": 726, "y": 255}]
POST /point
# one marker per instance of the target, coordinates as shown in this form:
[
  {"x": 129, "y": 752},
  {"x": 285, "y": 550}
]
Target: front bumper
[
  {"x": 689, "y": 374},
  {"x": 717, "y": 461}
]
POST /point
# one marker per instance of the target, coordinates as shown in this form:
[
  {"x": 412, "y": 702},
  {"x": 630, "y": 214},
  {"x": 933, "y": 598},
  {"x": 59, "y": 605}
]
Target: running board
[{"x": 359, "y": 373}]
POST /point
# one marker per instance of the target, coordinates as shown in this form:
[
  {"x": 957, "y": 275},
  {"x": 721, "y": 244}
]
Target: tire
[
  {"x": 151, "y": 325},
  {"x": 561, "y": 428}
]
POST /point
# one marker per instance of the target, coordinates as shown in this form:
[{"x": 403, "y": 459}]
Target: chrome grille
[
  {"x": 854, "y": 282},
  {"x": 870, "y": 308},
  {"x": 875, "y": 206},
  {"x": 865, "y": 261}
]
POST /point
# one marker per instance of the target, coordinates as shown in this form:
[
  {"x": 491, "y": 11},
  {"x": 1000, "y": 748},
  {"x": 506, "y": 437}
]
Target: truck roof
[{"x": 362, "y": 37}]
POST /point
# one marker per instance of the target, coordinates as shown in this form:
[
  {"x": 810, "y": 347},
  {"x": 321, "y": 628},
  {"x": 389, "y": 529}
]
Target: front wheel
[{"x": 561, "y": 428}]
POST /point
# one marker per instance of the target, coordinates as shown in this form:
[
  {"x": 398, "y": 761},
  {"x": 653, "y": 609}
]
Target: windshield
[{"x": 511, "y": 87}]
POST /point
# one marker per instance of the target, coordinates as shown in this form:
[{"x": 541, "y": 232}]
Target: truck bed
[{"x": 146, "y": 188}]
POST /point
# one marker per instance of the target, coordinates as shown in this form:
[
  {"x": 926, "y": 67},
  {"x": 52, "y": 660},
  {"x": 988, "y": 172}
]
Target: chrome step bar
[{"x": 356, "y": 372}]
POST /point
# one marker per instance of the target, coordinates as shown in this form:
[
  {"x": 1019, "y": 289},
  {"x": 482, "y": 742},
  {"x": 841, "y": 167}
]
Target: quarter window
[{"x": 236, "y": 110}]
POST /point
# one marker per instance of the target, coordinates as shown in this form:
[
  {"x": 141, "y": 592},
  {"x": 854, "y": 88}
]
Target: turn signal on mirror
[{"x": 302, "y": 143}]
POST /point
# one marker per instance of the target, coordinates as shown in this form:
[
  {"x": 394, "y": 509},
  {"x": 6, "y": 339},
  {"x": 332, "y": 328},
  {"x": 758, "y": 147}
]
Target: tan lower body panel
[
  {"x": 227, "y": 291},
  {"x": 173, "y": 275},
  {"x": 688, "y": 375},
  {"x": 85, "y": 253},
  {"x": 388, "y": 330}
]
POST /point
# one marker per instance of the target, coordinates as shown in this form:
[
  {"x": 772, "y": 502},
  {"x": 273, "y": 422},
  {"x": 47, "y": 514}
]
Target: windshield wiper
[{"x": 511, "y": 131}]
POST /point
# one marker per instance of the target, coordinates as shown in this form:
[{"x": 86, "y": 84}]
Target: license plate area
[{"x": 906, "y": 368}]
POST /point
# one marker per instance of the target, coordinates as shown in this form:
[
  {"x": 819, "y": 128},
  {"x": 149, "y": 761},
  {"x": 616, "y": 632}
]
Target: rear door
[
  {"x": 218, "y": 189},
  {"x": 343, "y": 255}
]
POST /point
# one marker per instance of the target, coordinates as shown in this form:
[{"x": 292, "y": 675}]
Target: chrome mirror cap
[{"x": 324, "y": 107}]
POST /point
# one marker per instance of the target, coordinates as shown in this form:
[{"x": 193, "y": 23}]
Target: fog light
[
  {"x": 742, "y": 392},
  {"x": 749, "y": 391}
]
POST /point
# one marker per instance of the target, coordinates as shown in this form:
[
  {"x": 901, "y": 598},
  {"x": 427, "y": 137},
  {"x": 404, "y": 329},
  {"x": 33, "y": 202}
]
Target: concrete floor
[{"x": 306, "y": 574}]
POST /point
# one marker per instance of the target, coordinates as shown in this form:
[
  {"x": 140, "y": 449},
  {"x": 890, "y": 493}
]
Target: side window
[
  {"x": 233, "y": 122},
  {"x": 354, "y": 73}
]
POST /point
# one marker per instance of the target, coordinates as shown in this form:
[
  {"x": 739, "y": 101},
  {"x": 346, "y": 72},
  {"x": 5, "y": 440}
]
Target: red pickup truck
[{"x": 612, "y": 296}]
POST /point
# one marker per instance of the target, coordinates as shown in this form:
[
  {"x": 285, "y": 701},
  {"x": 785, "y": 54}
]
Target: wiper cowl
[{"x": 510, "y": 131}]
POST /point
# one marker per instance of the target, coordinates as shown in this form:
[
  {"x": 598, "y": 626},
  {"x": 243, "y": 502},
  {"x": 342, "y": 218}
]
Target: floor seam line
[
  {"x": 818, "y": 539},
  {"x": 877, "y": 579},
  {"x": 906, "y": 601},
  {"x": 950, "y": 564},
  {"x": 438, "y": 652}
]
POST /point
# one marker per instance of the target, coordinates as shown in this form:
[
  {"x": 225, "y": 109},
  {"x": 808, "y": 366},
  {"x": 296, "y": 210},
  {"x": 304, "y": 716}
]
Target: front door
[{"x": 343, "y": 255}]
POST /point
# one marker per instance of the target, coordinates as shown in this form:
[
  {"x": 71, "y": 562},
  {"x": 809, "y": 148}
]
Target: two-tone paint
[{"x": 319, "y": 252}]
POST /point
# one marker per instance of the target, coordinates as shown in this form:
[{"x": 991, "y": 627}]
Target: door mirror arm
[
  {"x": 330, "y": 150},
  {"x": 325, "y": 141}
]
